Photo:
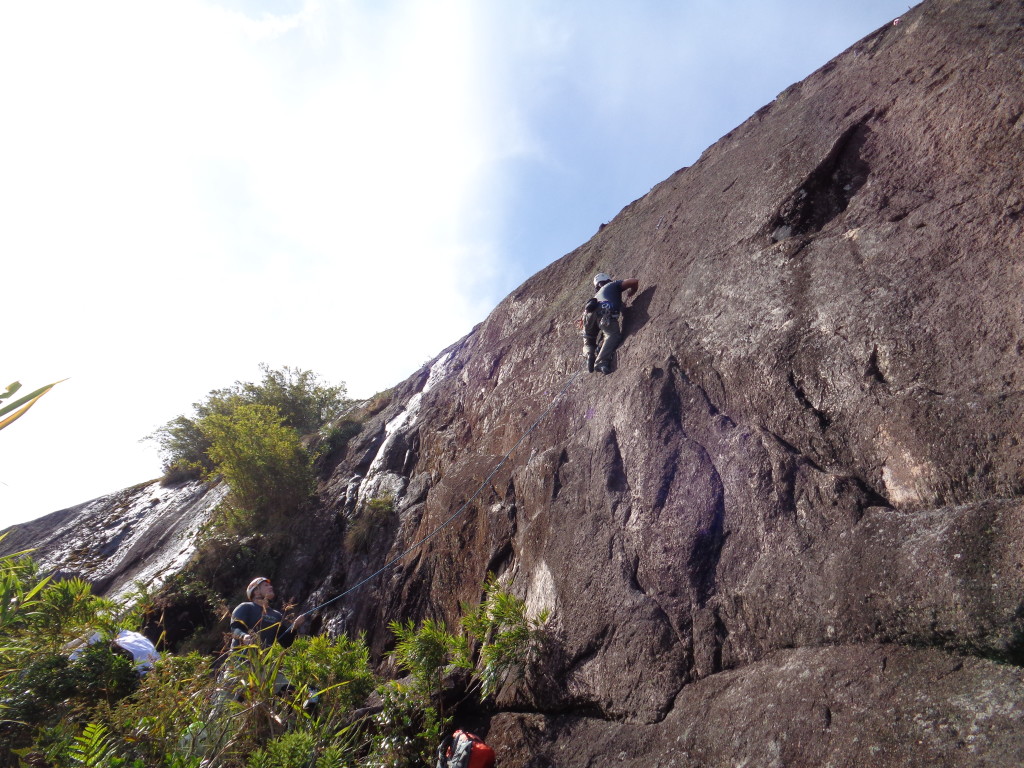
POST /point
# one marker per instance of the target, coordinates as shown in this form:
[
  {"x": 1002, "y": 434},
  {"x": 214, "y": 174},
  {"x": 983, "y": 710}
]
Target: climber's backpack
[{"x": 464, "y": 750}]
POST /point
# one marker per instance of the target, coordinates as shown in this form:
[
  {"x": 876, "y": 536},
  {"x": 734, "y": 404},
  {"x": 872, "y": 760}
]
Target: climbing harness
[{"x": 459, "y": 511}]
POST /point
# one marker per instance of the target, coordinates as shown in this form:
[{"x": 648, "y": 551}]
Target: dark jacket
[
  {"x": 270, "y": 626},
  {"x": 610, "y": 295}
]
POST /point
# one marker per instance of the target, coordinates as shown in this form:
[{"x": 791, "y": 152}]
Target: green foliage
[
  {"x": 292, "y": 750},
  {"x": 262, "y": 460},
  {"x": 405, "y": 732},
  {"x": 101, "y": 674},
  {"x": 39, "y": 684},
  {"x": 427, "y": 653},
  {"x": 507, "y": 639},
  {"x": 337, "y": 436},
  {"x": 497, "y": 641},
  {"x": 51, "y": 686},
  {"x": 37, "y": 612},
  {"x": 253, "y": 677},
  {"x": 169, "y": 716},
  {"x": 183, "y": 446},
  {"x": 302, "y": 749},
  {"x": 252, "y": 712},
  {"x": 334, "y": 672},
  {"x": 20, "y": 588},
  {"x": 339, "y": 668},
  {"x": 335, "y": 756},
  {"x": 190, "y": 603},
  {"x": 94, "y": 748},
  {"x": 363, "y": 529},
  {"x": 250, "y": 434},
  {"x": 302, "y": 402},
  {"x": 11, "y": 412},
  {"x": 70, "y": 605},
  {"x": 381, "y": 505},
  {"x": 306, "y": 749}
]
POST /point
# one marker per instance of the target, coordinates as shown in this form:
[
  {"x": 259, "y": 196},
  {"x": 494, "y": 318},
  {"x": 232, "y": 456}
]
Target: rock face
[
  {"x": 788, "y": 529},
  {"x": 139, "y": 535}
]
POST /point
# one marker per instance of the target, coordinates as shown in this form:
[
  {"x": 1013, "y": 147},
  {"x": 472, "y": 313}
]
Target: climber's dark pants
[{"x": 601, "y": 321}]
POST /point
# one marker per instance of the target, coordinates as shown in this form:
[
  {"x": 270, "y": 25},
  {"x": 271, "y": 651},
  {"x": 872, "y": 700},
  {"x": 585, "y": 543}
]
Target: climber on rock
[{"x": 602, "y": 315}]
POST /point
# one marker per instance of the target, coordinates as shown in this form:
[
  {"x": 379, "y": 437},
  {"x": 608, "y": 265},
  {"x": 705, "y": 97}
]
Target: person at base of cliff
[
  {"x": 602, "y": 315},
  {"x": 256, "y": 623}
]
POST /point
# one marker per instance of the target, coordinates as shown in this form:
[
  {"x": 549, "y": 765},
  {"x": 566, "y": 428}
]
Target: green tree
[
  {"x": 302, "y": 401},
  {"x": 184, "y": 447},
  {"x": 262, "y": 459},
  {"x": 300, "y": 398}
]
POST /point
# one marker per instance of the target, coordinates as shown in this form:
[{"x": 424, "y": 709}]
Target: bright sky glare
[{"x": 188, "y": 189}]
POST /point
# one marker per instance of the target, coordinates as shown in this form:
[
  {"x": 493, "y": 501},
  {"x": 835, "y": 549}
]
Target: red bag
[{"x": 469, "y": 751}]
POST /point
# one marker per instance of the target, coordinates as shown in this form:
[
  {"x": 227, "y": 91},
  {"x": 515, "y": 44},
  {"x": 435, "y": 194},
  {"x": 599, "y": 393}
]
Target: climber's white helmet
[{"x": 601, "y": 277}]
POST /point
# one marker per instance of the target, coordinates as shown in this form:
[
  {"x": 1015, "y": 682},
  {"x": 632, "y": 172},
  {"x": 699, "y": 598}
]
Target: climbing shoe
[
  {"x": 590, "y": 361},
  {"x": 604, "y": 368}
]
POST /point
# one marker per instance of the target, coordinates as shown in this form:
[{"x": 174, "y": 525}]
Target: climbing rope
[{"x": 458, "y": 512}]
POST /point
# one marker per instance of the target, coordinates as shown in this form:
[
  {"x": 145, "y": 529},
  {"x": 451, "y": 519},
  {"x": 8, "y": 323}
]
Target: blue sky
[{"x": 188, "y": 189}]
